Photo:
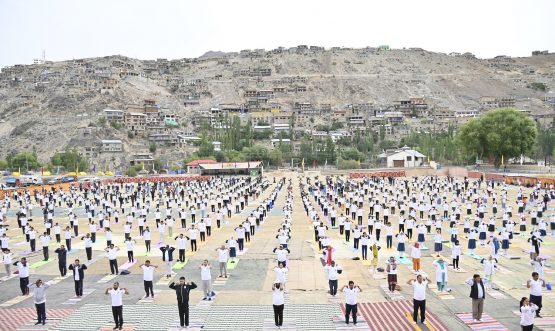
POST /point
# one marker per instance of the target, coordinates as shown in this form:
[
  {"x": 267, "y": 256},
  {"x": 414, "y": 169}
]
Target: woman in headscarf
[{"x": 441, "y": 274}]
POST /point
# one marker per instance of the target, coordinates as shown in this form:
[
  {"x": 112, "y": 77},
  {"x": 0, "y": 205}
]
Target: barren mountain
[{"x": 53, "y": 105}]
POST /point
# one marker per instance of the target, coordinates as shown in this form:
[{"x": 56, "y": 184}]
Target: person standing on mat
[
  {"x": 167, "y": 257},
  {"x": 23, "y": 271},
  {"x": 62, "y": 259},
  {"x": 478, "y": 295},
  {"x": 333, "y": 276},
  {"x": 40, "y": 300},
  {"x": 206, "y": 277},
  {"x": 78, "y": 276},
  {"x": 148, "y": 277},
  {"x": 351, "y": 291},
  {"x": 181, "y": 246},
  {"x": 223, "y": 258},
  {"x": 116, "y": 294},
  {"x": 419, "y": 297},
  {"x": 535, "y": 284},
  {"x": 112, "y": 253},
  {"x": 182, "y": 291},
  {"x": 45, "y": 241},
  {"x": 278, "y": 302}
]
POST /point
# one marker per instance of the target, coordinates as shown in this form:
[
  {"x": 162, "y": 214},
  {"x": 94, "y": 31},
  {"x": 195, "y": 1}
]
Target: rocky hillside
[{"x": 52, "y": 105}]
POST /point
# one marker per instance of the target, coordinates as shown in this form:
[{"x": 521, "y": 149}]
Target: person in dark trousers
[
  {"x": 23, "y": 271},
  {"x": 535, "y": 284},
  {"x": 148, "y": 277},
  {"x": 78, "y": 276},
  {"x": 40, "y": 300},
  {"x": 116, "y": 294},
  {"x": 351, "y": 291},
  {"x": 182, "y": 291},
  {"x": 62, "y": 259},
  {"x": 419, "y": 297},
  {"x": 112, "y": 252},
  {"x": 278, "y": 302}
]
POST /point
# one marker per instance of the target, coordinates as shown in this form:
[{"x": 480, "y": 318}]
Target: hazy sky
[{"x": 142, "y": 29}]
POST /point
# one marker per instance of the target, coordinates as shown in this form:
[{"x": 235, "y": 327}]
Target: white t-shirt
[
  {"x": 332, "y": 272},
  {"x": 76, "y": 273},
  {"x": 117, "y": 297},
  {"x": 277, "y": 297},
  {"x": 419, "y": 290},
  {"x": 148, "y": 272},
  {"x": 205, "y": 273},
  {"x": 536, "y": 287},
  {"x": 222, "y": 255},
  {"x": 351, "y": 295},
  {"x": 112, "y": 253}
]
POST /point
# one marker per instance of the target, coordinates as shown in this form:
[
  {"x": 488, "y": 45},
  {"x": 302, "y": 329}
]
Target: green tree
[
  {"x": 70, "y": 160},
  {"x": 306, "y": 150},
  {"x": 23, "y": 160},
  {"x": 352, "y": 154},
  {"x": 206, "y": 148},
  {"x": 276, "y": 157},
  {"x": 499, "y": 133},
  {"x": 286, "y": 150},
  {"x": 3, "y": 165},
  {"x": 157, "y": 164},
  {"x": 545, "y": 142},
  {"x": 152, "y": 148}
]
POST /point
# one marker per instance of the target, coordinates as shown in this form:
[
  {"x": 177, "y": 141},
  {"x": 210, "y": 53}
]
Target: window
[{"x": 409, "y": 158}]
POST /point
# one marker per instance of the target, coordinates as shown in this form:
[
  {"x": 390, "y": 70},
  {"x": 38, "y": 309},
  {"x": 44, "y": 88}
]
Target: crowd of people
[
  {"x": 400, "y": 216},
  {"x": 406, "y": 210}
]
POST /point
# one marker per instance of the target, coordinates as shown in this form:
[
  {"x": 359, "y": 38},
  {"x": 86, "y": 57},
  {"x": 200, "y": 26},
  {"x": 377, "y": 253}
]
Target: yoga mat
[
  {"x": 474, "y": 256},
  {"x": 40, "y": 263},
  {"x": 366, "y": 262},
  {"x": 127, "y": 265},
  {"x": 180, "y": 265},
  {"x": 404, "y": 260},
  {"x": 232, "y": 263}
]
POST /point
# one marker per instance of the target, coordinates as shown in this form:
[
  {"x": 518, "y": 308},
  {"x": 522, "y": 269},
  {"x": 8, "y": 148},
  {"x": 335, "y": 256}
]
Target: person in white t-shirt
[
  {"x": 206, "y": 277},
  {"x": 7, "y": 260},
  {"x": 527, "y": 314},
  {"x": 419, "y": 297},
  {"x": 281, "y": 274},
  {"x": 223, "y": 257},
  {"x": 116, "y": 294},
  {"x": 333, "y": 276},
  {"x": 351, "y": 291},
  {"x": 112, "y": 253},
  {"x": 535, "y": 284},
  {"x": 148, "y": 277},
  {"x": 278, "y": 302}
]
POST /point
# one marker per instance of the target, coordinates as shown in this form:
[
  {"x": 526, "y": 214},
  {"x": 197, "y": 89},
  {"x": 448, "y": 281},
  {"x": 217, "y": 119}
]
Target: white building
[{"x": 405, "y": 158}]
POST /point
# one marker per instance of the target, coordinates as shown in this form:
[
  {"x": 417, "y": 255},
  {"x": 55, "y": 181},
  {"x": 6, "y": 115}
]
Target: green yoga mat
[
  {"x": 40, "y": 263},
  {"x": 180, "y": 265},
  {"x": 404, "y": 260},
  {"x": 230, "y": 265},
  {"x": 474, "y": 256}
]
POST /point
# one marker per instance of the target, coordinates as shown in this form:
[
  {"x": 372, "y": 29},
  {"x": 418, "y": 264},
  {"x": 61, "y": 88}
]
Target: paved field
[{"x": 243, "y": 300}]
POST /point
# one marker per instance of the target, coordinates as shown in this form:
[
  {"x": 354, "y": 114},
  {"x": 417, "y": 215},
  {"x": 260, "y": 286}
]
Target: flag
[
  {"x": 302, "y": 164},
  {"x": 502, "y": 163}
]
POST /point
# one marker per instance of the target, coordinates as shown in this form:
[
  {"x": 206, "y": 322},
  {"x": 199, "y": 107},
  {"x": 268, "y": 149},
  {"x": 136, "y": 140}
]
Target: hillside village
[{"x": 114, "y": 109}]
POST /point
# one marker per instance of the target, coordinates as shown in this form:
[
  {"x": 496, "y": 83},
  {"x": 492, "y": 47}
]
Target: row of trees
[{"x": 68, "y": 160}]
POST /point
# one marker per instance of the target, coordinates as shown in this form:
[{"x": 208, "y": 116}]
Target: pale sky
[{"x": 142, "y": 29}]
